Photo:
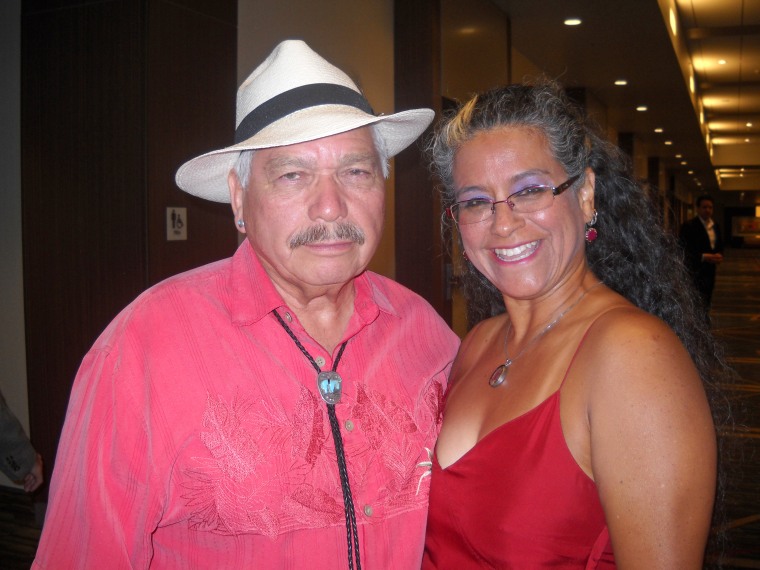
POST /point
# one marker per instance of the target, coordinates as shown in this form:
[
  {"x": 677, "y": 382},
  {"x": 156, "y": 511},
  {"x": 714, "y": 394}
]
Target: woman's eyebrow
[
  {"x": 520, "y": 176},
  {"x": 474, "y": 188},
  {"x": 515, "y": 179}
]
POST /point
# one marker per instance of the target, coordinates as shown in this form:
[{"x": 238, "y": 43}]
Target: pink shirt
[{"x": 196, "y": 438}]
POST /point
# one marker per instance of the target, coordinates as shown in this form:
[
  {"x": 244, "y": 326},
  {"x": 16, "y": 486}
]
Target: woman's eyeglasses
[{"x": 525, "y": 201}]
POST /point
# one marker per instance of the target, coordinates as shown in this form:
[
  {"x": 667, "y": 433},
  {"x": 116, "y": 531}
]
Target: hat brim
[{"x": 206, "y": 176}]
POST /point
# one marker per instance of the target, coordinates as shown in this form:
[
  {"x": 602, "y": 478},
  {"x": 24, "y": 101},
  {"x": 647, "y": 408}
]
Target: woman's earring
[
  {"x": 591, "y": 233},
  {"x": 240, "y": 224}
]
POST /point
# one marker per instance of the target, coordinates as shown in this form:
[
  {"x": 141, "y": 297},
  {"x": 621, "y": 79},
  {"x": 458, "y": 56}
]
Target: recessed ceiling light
[
  {"x": 658, "y": 130},
  {"x": 691, "y": 172},
  {"x": 721, "y": 62},
  {"x": 668, "y": 143},
  {"x": 749, "y": 125},
  {"x": 621, "y": 82},
  {"x": 641, "y": 108},
  {"x": 679, "y": 155},
  {"x": 684, "y": 163},
  {"x": 746, "y": 140},
  {"x": 573, "y": 22}
]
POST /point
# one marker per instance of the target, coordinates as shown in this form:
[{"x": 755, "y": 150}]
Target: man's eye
[
  {"x": 357, "y": 177},
  {"x": 361, "y": 171},
  {"x": 475, "y": 204},
  {"x": 293, "y": 180}
]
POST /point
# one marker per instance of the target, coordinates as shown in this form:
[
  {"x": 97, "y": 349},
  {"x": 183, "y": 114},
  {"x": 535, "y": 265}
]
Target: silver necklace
[{"x": 500, "y": 374}]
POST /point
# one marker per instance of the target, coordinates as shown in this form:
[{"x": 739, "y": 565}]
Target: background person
[
  {"x": 269, "y": 410},
  {"x": 577, "y": 432},
  {"x": 702, "y": 241},
  {"x": 18, "y": 458}
]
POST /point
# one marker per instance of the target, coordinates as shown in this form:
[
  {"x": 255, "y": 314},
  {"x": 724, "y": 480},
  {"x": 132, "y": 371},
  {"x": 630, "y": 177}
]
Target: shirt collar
[{"x": 254, "y": 295}]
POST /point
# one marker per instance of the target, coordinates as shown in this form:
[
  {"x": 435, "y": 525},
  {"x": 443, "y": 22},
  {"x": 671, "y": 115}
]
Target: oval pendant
[
  {"x": 330, "y": 386},
  {"x": 498, "y": 376}
]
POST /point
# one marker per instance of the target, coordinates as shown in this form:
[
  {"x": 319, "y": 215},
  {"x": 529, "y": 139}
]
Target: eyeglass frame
[{"x": 556, "y": 191}]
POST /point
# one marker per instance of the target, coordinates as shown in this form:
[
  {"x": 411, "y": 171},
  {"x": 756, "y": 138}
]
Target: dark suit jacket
[
  {"x": 17, "y": 456},
  {"x": 695, "y": 242}
]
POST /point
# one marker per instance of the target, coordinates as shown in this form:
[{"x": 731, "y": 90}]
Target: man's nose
[{"x": 329, "y": 202}]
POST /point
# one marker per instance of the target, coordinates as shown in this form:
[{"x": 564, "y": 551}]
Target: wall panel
[
  {"x": 420, "y": 257},
  {"x": 99, "y": 150}
]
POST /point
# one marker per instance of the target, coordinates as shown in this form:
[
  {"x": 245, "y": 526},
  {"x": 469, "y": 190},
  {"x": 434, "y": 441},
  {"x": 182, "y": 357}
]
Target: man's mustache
[{"x": 339, "y": 231}]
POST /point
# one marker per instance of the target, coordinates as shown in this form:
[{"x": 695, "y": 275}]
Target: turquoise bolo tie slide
[{"x": 330, "y": 386}]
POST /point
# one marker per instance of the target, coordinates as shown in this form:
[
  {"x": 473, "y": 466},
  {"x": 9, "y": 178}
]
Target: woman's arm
[{"x": 652, "y": 441}]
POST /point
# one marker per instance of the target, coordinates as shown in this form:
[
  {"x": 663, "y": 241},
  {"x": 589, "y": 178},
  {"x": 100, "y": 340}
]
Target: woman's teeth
[{"x": 516, "y": 253}]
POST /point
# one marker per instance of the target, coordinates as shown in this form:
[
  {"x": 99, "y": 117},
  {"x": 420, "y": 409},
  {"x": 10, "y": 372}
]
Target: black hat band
[{"x": 297, "y": 99}]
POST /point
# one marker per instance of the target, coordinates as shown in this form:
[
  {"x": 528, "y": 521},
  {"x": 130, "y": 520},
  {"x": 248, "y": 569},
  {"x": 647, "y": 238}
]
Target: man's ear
[{"x": 236, "y": 200}]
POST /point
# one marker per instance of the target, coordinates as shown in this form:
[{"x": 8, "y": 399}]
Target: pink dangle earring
[{"x": 591, "y": 233}]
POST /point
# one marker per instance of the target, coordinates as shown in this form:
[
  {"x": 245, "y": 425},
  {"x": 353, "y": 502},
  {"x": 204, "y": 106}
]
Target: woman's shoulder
[
  {"x": 627, "y": 349},
  {"x": 619, "y": 324}
]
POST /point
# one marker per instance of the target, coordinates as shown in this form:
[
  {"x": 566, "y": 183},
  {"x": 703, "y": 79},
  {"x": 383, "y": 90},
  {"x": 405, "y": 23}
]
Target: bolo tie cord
[{"x": 348, "y": 500}]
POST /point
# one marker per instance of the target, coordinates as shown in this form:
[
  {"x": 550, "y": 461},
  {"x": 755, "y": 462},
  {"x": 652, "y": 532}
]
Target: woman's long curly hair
[{"x": 633, "y": 255}]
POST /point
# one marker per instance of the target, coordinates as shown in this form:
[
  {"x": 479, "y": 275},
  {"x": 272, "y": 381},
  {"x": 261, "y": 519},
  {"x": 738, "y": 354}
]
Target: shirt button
[
  {"x": 288, "y": 317},
  {"x": 320, "y": 361},
  {"x": 349, "y": 425},
  {"x": 368, "y": 510}
]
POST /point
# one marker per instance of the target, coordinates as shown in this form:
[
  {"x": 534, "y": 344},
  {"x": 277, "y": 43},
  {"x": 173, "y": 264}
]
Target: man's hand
[{"x": 34, "y": 479}]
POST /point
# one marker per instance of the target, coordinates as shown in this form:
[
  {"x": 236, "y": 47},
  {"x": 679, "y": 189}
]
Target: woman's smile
[{"x": 517, "y": 253}]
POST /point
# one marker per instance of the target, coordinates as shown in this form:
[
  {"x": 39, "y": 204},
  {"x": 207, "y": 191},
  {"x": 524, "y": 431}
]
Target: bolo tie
[{"x": 330, "y": 386}]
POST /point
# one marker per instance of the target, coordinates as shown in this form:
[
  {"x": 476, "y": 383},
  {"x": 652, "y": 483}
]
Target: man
[
  {"x": 276, "y": 409},
  {"x": 702, "y": 241},
  {"x": 18, "y": 458}
]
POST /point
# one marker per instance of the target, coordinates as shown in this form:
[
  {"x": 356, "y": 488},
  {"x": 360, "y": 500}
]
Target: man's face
[
  {"x": 314, "y": 211},
  {"x": 705, "y": 209}
]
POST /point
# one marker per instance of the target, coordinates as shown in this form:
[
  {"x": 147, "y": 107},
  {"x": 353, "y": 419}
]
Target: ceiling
[{"x": 717, "y": 42}]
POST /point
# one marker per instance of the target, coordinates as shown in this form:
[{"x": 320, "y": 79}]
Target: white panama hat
[{"x": 295, "y": 96}]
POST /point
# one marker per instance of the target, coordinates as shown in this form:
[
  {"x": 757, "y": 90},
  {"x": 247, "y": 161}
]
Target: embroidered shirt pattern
[{"x": 245, "y": 483}]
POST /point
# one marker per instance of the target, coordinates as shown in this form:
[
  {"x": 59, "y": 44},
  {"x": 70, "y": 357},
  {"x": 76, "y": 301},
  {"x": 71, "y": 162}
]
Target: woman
[{"x": 577, "y": 431}]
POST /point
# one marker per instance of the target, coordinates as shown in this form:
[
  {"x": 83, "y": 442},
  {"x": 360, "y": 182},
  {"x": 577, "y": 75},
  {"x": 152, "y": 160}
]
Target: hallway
[{"x": 736, "y": 322}]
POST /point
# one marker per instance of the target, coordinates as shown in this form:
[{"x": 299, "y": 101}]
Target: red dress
[{"x": 517, "y": 500}]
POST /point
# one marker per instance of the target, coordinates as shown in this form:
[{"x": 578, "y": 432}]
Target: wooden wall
[
  {"x": 115, "y": 96},
  {"x": 421, "y": 260}
]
